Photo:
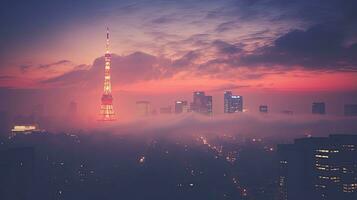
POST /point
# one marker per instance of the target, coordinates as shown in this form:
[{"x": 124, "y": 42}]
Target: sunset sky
[{"x": 270, "y": 51}]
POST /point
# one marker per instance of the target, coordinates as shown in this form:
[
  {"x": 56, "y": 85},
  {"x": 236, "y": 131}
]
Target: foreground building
[{"x": 319, "y": 168}]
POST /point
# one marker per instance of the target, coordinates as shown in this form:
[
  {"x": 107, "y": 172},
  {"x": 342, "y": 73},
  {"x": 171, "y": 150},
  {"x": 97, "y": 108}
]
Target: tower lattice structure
[{"x": 106, "y": 108}]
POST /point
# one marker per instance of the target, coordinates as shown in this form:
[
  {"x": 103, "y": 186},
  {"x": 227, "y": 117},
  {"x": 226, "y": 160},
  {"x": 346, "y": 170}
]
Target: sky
[{"x": 286, "y": 54}]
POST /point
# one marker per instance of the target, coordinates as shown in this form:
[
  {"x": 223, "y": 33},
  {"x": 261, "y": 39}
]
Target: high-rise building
[
  {"x": 318, "y": 108},
  {"x": 208, "y": 105},
  {"x": 201, "y": 103},
  {"x": 227, "y": 98},
  {"x": 181, "y": 107},
  {"x": 322, "y": 168},
  {"x": 263, "y": 109},
  {"x": 198, "y": 101},
  {"x": 232, "y": 103},
  {"x": 350, "y": 109},
  {"x": 106, "y": 109},
  {"x": 143, "y": 108}
]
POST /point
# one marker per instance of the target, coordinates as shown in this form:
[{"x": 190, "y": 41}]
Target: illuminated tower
[{"x": 106, "y": 108}]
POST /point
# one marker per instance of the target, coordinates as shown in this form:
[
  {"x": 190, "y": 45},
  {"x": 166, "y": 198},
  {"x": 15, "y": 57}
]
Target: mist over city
[{"x": 233, "y": 99}]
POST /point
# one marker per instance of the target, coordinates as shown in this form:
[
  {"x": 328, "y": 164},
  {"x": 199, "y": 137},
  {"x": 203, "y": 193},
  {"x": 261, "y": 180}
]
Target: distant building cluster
[
  {"x": 232, "y": 103},
  {"x": 320, "y": 109},
  {"x": 33, "y": 122},
  {"x": 322, "y": 168},
  {"x": 201, "y": 103}
]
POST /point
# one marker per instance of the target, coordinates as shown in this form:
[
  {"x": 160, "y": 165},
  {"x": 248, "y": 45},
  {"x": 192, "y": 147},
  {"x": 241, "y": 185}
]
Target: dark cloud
[
  {"x": 326, "y": 40},
  {"x": 24, "y": 68},
  {"x": 186, "y": 60},
  {"x": 199, "y": 40},
  {"x": 61, "y": 62},
  {"x": 163, "y": 20},
  {"x": 225, "y": 26},
  {"x": 68, "y": 79},
  {"x": 226, "y": 48},
  {"x": 132, "y": 68},
  {"x": 319, "y": 47},
  {"x": 231, "y": 86}
]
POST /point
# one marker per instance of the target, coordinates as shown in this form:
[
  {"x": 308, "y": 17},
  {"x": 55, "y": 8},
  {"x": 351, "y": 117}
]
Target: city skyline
[
  {"x": 178, "y": 99},
  {"x": 213, "y": 47}
]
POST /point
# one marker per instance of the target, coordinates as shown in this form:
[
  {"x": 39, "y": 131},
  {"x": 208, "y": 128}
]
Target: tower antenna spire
[{"x": 107, "y": 43}]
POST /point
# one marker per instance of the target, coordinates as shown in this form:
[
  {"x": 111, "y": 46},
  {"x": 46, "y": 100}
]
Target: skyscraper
[
  {"x": 181, "y": 107},
  {"x": 106, "y": 109},
  {"x": 318, "y": 108},
  {"x": 350, "y": 109},
  {"x": 263, "y": 109},
  {"x": 208, "y": 105},
  {"x": 201, "y": 103},
  {"x": 227, "y": 101},
  {"x": 232, "y": 103},
  {"x": 323, "y": 168}
]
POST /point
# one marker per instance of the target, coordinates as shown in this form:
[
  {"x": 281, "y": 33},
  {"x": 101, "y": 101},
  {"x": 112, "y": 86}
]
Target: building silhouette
[
  {"x": 201, "y": 103},
  {"x": 263, "y": 109},
  {"x": 232, "y": 103},
  {"x": 181, "y": 107},
  {"x": 350, "y": 109},
  {"x": 318, "y": 108},
  {"x": 323, "y": 168}
]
